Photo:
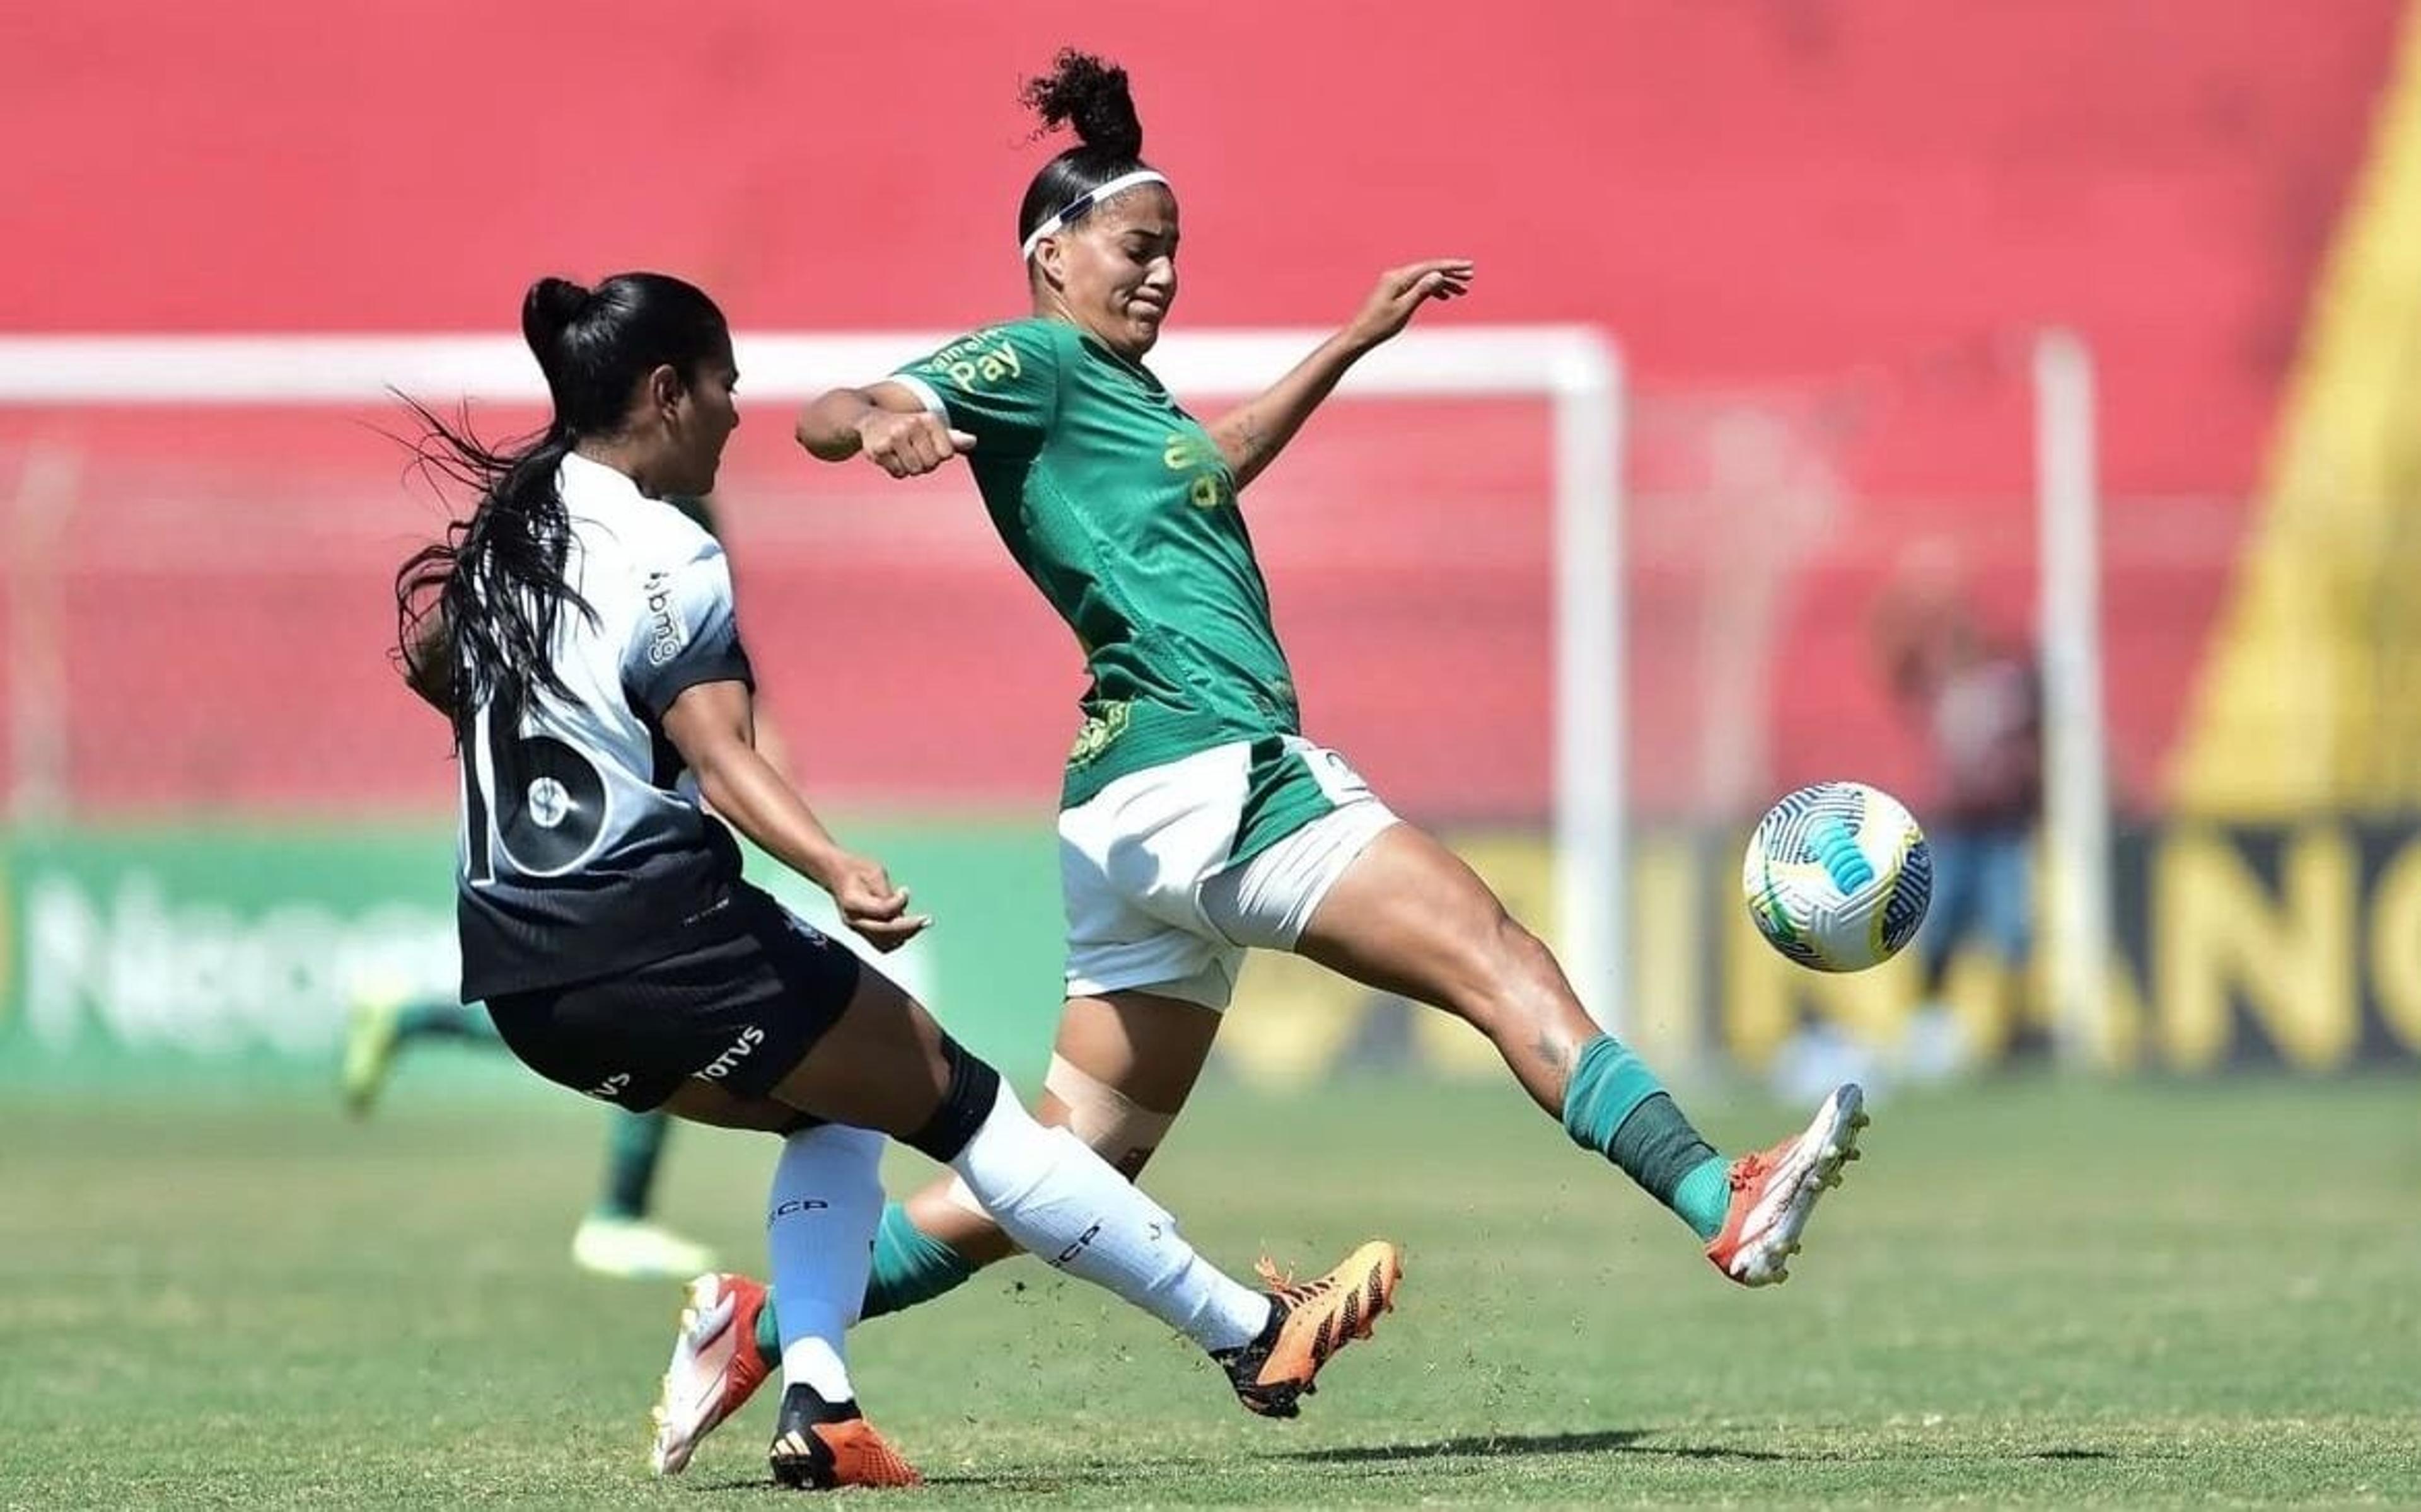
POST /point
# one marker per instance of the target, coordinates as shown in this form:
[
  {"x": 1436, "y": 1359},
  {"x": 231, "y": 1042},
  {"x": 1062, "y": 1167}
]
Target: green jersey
[{"x": 1118, "y": 503}]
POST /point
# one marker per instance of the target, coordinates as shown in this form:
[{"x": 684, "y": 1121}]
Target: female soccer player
[
  {"x": 1196, "y": 821},
  {"x": 590, "y": 661},
  {"x": 616, "y": 1237}
]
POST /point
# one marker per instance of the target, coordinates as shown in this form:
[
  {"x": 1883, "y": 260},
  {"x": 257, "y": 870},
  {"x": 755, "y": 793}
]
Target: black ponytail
[
  {"x": 1092, "y": 98},
  {"x": 499, "y": 579}
]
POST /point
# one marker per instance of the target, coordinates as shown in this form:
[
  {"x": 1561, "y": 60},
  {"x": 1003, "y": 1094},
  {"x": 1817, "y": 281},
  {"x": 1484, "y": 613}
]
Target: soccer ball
[{"x": 1838, "y": 877}]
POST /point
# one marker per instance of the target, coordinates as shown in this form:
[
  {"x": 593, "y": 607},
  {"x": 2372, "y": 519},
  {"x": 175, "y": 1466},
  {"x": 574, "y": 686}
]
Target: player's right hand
[
  {"x": 907, "y": 445},
  {"x": 874, "y": 908}
]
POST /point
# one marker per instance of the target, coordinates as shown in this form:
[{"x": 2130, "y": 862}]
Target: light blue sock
[{"x": 910, "y": 1267}]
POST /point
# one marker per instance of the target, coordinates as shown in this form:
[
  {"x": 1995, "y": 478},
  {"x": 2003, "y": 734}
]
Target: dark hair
[
  {"x": 498, "y": 577},
  {"x": 1083, "y": 92}
]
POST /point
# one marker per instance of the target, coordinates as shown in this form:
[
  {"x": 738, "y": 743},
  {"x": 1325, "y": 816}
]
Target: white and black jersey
[{"x": 583, "y": 850}]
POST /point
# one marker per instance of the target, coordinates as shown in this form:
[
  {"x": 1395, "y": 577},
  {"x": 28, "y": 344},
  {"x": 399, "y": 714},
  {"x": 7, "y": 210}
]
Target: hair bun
[
  {"x": 1092, "y": 96},
  {"x": 550, "y": 307}
]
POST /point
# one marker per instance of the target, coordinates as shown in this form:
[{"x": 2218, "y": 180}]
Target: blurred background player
[
  {"x": 581, "y": 638},
  {"x": 1195, "y": 818},
  {"x": 616, "y": 1237},
  {"x": 1977, "y": 698}
]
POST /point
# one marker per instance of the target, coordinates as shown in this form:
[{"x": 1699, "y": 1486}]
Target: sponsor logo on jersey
[
  {"x": 612, "y": 1087},
  {"x": 724, "y": 1064},
  {"x": 1102, "y": 726},
  {"x": 798, "y": 1204},
  {"x": 1211, "y": 486},
  {"x": 667, "y": 634},
  {"x": 973, "y": 362}
]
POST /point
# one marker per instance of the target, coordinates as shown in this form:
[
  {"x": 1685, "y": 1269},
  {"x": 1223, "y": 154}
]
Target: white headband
[{"x": 1076, "y": 207}]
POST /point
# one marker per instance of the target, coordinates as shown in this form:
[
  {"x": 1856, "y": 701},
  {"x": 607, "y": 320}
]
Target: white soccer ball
[{"x": 1838, "y": 875}]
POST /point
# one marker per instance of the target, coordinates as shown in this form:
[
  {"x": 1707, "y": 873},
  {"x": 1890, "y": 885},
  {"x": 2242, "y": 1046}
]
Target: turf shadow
[
  {"x": 1479, "y": 1446},
  {"x": 2069, "y": 1453},
  {"x": 1514, "y": 1445}
]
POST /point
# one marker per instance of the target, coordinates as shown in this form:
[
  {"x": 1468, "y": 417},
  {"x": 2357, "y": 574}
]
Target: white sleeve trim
[{"x": 925, "y": 393}]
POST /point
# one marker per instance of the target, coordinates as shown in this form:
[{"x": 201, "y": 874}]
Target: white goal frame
[
  {"x": 1576, "y": 370},
  {"x": 2077, "y": 936}
]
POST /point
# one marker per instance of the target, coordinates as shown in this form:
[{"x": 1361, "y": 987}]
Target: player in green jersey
[{"x": 1196, "y": 821}]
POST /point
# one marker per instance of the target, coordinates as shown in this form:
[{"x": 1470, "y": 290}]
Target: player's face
[
  {"x": 703, "y": 418},
  {"x": 1119, "y": 269}
]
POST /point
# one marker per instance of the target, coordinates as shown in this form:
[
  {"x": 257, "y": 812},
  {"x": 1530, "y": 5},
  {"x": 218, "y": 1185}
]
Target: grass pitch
[{"x": 2056, "y": 1294}]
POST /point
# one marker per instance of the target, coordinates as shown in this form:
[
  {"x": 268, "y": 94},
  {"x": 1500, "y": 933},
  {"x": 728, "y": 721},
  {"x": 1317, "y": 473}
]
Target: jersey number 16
[{"x": 549, "y": 800}]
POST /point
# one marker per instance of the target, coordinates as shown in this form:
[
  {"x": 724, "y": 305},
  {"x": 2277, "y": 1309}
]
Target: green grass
[{"x": 2027, "y": 1293}]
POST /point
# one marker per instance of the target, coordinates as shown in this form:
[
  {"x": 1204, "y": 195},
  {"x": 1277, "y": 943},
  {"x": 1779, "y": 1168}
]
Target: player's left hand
[
  {"x": 872, "y": 906},
  {"x": 1404, "y": 290}
]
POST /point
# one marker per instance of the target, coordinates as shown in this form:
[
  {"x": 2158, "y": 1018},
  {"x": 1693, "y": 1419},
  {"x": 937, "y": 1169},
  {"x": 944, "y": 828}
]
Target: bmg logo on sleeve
[{"x": 666, "y": 632}]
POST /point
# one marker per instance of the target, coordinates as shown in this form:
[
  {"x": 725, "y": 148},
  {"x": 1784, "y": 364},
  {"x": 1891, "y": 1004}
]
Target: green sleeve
[{"x": 1000, "y": 385}]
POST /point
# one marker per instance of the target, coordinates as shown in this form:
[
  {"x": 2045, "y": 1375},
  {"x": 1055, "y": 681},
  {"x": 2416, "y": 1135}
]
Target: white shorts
[{"x": 1156, "y": 901}]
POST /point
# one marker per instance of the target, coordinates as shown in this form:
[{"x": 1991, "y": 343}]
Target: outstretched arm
[
  {"x": 888, "y": 422},
  {"x": 712, "y": 725},
  {"x": 1251, "y": 436},
  {"x": 999, "y": 385}
]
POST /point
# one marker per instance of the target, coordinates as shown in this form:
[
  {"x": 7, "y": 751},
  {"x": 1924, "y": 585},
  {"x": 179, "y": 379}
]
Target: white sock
[
  {"x": 820, "y": 1231},
  {"x": 1063, "y": 1204}
]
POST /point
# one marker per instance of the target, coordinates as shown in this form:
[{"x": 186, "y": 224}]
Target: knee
[{"x": 967, "y": 1102}]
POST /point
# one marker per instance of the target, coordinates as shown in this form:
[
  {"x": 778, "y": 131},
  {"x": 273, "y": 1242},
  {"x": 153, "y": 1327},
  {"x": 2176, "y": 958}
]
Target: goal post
[
  {"x": 2076, "y": 842},
  {"x": 1575, "y": 371}
]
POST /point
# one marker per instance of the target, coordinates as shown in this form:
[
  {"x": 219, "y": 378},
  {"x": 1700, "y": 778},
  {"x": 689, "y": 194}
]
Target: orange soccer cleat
[
  {"x": 813, "y": 1450},
  {"x": 1308, "y": 1323}
]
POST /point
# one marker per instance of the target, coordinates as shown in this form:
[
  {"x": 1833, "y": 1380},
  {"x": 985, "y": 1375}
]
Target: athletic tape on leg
[{"x": 1119, "y": 1129}]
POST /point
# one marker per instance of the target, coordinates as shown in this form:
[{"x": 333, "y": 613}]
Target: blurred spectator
[{"x": 1978, "y": 699}]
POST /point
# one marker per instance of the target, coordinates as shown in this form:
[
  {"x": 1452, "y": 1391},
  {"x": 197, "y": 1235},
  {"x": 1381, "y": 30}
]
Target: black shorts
[{"x": 741, "y": 1013}]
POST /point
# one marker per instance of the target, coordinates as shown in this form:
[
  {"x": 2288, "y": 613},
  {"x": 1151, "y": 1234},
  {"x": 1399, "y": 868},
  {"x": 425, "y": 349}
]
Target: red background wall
[{"x": 1871, "y": 203}]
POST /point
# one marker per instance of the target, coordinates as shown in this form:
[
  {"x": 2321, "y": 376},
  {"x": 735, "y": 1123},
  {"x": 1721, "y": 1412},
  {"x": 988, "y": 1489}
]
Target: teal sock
[
  {"x": 1614, "y": 1104},
  {"x": 635, "y": 1145},
  {"x": 910, "y": 1267},
  {"x": 438, "y": 1019},
  {"x": 769, "y": 1334},
  {"x": 1705, "y": 1195}
]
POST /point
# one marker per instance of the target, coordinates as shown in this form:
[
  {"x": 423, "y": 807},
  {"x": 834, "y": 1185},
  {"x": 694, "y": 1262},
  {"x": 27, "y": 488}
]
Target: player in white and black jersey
[
  {"x": 618, "y": 1236},
  {"x": 580, "y": 633}
]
